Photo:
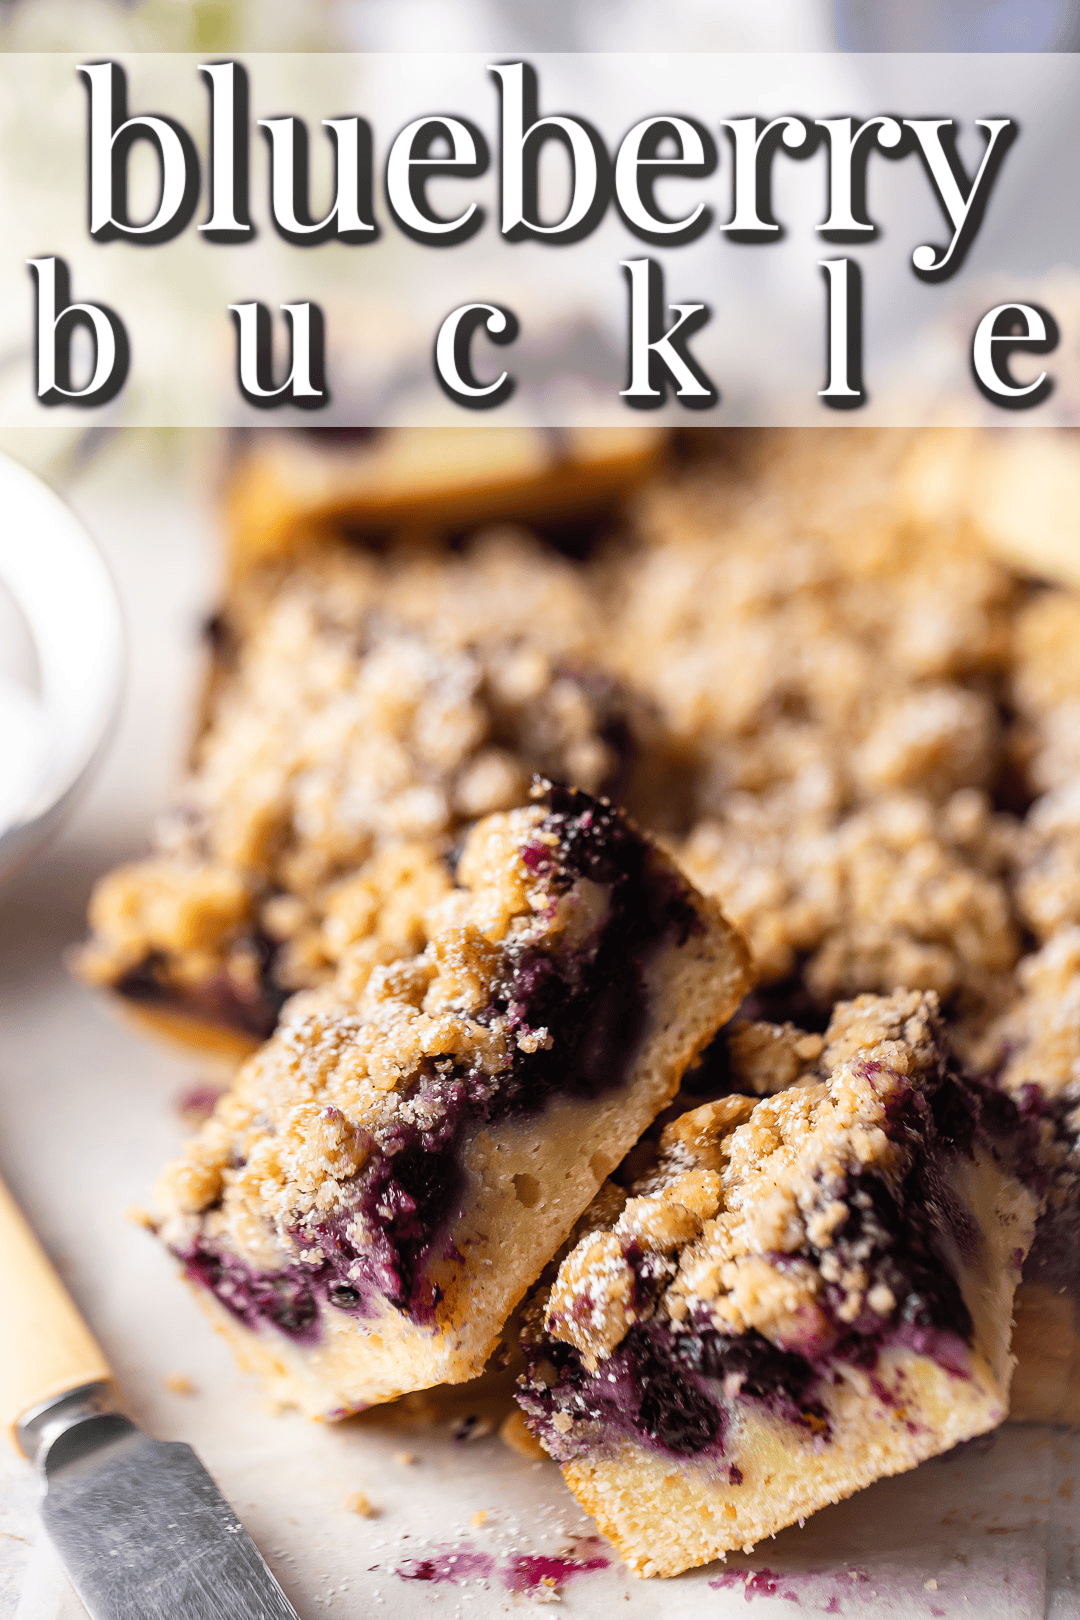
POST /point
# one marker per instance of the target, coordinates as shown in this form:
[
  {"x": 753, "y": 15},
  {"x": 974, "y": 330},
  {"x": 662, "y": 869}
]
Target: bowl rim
[{"x": 79, "y": 642}]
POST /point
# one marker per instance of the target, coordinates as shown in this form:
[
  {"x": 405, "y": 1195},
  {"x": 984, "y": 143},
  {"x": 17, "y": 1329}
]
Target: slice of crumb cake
[
  {"x": 396, "y": 1167},
  {"x": 801, "y": 1294},
  {"x": 288, "y": 492}
]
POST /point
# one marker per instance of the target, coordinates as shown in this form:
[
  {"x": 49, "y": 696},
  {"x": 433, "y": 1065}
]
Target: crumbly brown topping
[
  {"x": 766, "y": 1058},
  {"x": 833, "y": 648},
  {"x": 897, "y": 894},
  {"x": 815, "y": 637},
  {"x": 1046, "y": 684},
  {"x": 1048, "y": 865},
  {"x": 740, "y": 1182},
  {"x": 1039, "y": 1035},
  {"x": 183, "y": 905},
  {"x": 371, "y": 710}
]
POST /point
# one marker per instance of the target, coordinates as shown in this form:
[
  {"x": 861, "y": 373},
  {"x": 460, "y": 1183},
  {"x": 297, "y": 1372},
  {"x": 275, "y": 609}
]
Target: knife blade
[{"x": 141, "y": 1528}]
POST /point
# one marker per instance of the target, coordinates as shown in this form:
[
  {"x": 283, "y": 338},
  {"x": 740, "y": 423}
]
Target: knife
[{"x": 141, "y": 1528}]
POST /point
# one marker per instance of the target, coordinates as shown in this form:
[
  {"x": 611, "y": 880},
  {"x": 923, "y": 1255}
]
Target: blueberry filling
[
  {"x": 591, "y": 1000},
  {"x": 218, "y": 1000},
  {"x": 758, "y": 1368},
  {"x": 285, "y": 1298},
  {"x": 675, "y": 1413},
  {"x": 1054, "y": 1258}
]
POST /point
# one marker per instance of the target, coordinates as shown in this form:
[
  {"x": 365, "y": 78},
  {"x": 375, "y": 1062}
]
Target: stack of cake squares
[{"x": 640, "y": 882}]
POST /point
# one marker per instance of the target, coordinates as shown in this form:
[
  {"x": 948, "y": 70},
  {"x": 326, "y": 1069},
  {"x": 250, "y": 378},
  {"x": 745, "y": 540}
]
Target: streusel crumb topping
[
  {"x": 899, "y": 893},
  {"x": 366, "y": 711},
  {"x": 1039, "y": 1035},
  {"x": 307, "y": 1110},
  {"x": 1048, "y": 865},
  {"x": 765, "y": 1058},
  {"x": 740, "y": 1215}
]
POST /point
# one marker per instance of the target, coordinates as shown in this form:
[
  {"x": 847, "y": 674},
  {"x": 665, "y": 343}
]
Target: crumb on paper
[
  {"x": 138, "y": 1216},
  {"x": 359, "y": 1502},
  {"x": 514, "y": 1434},
  {"x": 178, "y": 1383},
  {"x": 930, "y": 1585},
  {"x": 480, "y": 1517},
  {"x": 547, "y": 1591},
  {"x": 407, "y": 1459}
]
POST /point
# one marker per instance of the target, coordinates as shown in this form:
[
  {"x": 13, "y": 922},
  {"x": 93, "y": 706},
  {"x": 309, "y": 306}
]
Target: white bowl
[{"x": 49, "y": 742}]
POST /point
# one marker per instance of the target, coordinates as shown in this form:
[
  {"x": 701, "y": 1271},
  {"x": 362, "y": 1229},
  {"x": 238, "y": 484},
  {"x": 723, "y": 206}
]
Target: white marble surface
[{"x": 87, "y": 1114}]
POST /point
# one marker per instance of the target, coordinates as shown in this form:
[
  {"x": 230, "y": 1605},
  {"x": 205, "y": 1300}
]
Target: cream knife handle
[{"x": 46, "y": 1349}]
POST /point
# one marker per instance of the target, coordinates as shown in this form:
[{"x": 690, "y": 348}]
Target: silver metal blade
[{"x": 145, "y": 1534}]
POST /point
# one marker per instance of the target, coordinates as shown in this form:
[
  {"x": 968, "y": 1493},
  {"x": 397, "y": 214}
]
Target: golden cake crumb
[
  {"x": 178, "y": 1383},
  {"x": 516, "y": 1437},
  {"x": 359, "y": 1502}
]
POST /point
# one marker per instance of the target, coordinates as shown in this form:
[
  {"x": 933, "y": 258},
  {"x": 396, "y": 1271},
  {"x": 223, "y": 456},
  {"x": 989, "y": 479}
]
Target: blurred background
[
  {"x": 393, "y": 25},
  {"x": 559, "y": 25}
]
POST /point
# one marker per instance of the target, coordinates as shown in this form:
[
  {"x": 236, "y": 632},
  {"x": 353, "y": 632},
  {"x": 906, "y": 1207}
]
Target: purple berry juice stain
[
  {"x": 529, "y": 1570},
  {"x": 756, "y": 1583},
  {"x": 727, "y": 1578},
  {"x": 523, "y": 1573},
  {"x": 456, "y": 1565}
]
